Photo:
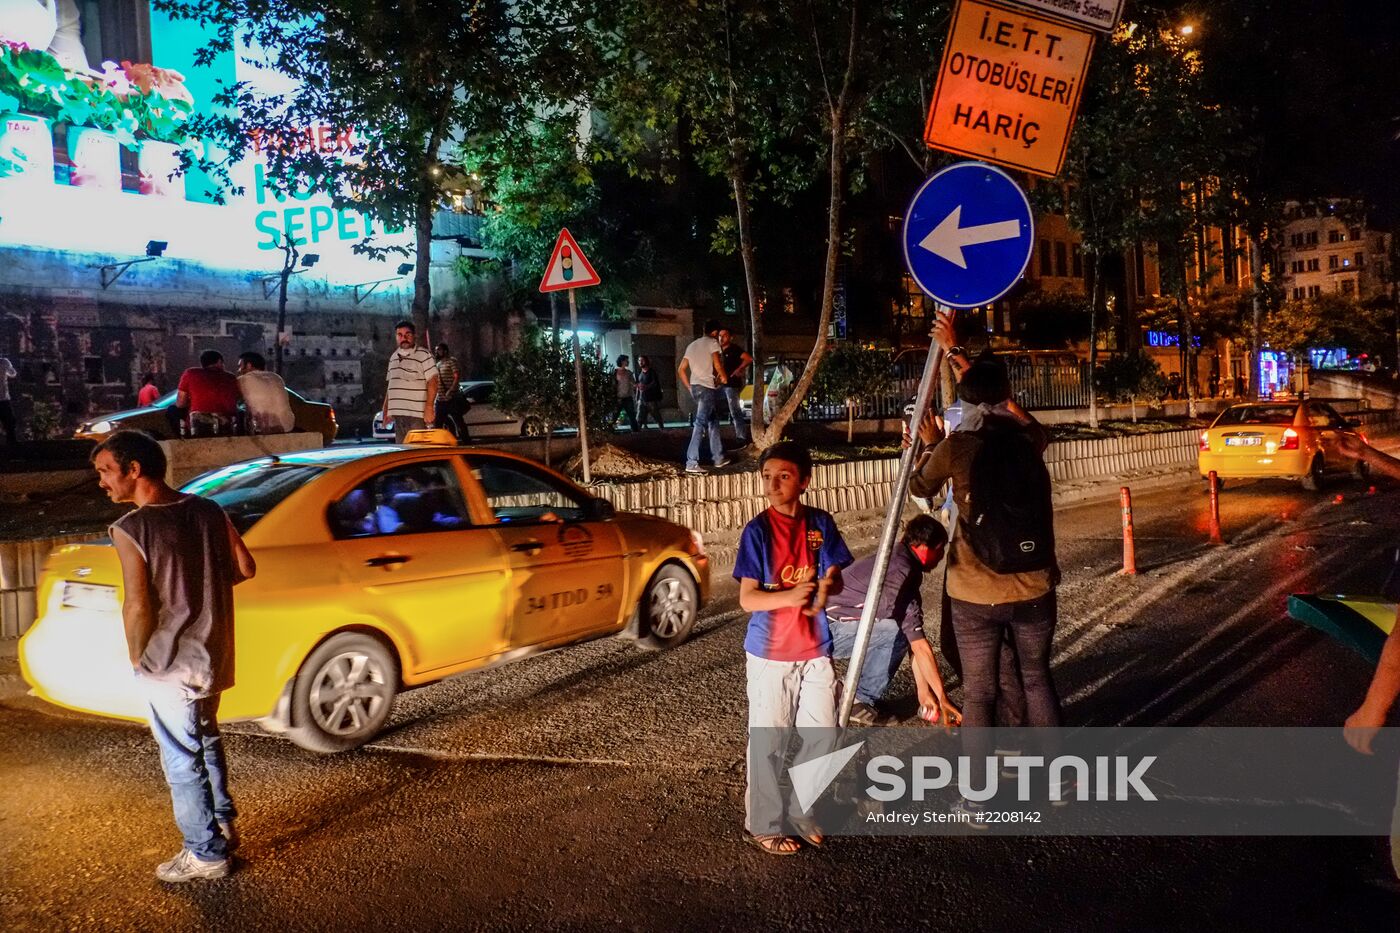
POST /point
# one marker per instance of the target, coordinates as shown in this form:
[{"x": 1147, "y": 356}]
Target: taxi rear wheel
[
  {"x": 1316, "y": 477},
  {"x": 669, "y": 608},
  {"x": 343, "y": 693}
]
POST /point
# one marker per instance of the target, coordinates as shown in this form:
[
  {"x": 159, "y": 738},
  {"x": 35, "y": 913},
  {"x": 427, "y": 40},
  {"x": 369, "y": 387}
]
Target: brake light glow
[
  {"x": 1205, "y": 440},
  {"x": 1290, "y": 440}
]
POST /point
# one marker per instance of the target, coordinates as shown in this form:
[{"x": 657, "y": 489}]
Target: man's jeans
[
  {"x": 883, "y": 654},
  {"x": 705, "y": 402},
  {"x": 736, "y": 414},
  {"x": 192, "y": 756},
  {"x": 784, "y": 696},
  {"x": 980, "y": 631}
]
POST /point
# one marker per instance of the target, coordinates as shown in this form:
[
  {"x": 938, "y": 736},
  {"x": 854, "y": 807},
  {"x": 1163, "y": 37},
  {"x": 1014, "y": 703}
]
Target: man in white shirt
[
  {"x": 264, "y": 395},
  {"x": 7, "y": 410},
  {"x": 412, "y": 384},
  {"x": 702, "y": 373}
]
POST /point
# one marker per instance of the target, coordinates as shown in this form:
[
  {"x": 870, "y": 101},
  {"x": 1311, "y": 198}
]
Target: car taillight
[
  {"x": 1290, "y": 440},
  {"x": 333, "y": 421},
  {"x": 1205, "y": 440},
  {"x": 1364, "y": 438}
]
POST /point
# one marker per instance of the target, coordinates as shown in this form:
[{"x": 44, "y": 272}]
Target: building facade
[{"x": 1328, "y": 248}]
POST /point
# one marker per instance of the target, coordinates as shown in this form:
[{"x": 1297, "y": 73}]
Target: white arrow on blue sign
[{"x": 968, "y": 235}]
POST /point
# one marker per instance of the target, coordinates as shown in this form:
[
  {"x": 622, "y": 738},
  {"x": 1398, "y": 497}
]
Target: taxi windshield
[
  {"x": 248, "y": 491},
  {"x": 1258, "y": 414}
]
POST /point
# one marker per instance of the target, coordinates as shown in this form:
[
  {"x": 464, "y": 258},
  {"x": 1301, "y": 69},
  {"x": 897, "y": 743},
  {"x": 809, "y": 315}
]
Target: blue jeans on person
[
  {"x": 981, "y": 630},
  {"x": 883, "y": 654},
  {"x": 192, "y": 757},
  {"x": 736, "y": 414},
  {"x": 706, "y": 400}
]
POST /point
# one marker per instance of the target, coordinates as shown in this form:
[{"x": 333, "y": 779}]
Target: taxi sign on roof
[
  {"x": 1009, "y": 87},
  {"x": 568, "y": 267}
]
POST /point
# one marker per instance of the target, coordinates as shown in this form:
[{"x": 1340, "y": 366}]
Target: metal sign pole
[
  {"x": 578, "y": 389},
  {"x": 898, "y": 496}
]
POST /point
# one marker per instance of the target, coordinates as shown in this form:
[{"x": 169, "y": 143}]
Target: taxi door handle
[
  {"x": 387, "y": 560},
  {"x": 529, "y": 547}
]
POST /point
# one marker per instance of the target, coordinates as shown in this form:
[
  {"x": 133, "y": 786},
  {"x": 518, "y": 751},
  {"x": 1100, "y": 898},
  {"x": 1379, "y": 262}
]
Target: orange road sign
[{"x": 1009, "y": 87}]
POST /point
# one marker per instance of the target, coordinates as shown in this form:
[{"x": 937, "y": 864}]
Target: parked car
[
  {"x": 382, "y": 568},
  {"x": 483, "y": 418},
  {"x": 157, "y": 419},
  {"x": 1285, "y": 440}
]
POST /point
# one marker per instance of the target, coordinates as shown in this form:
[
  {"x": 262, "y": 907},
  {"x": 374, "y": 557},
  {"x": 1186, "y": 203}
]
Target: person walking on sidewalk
[
  {"x": 1002, "y": 570},
  {"x": 181, "y": 558},
  {"x": 626, "y": 392},
  {"x": 701, "y": 372},
  {"x": 736, "y": 361},
  {"x": 648, "y": 392}
]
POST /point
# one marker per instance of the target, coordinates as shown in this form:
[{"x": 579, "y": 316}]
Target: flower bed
[{"x": 139, "y": 106}]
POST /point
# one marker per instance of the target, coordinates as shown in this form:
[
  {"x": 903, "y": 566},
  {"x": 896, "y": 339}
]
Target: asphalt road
[{"x": 601, "y": 786}]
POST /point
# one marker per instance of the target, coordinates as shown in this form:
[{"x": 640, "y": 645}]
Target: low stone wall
[{"x": 189, "y": 457}]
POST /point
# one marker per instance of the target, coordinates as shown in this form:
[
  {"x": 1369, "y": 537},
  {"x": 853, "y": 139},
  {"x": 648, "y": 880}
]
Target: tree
[
  {"x": 1130, "y": 377},
  {"x": 1152, "y": 158},
  {"x": 535, "y": 382},
  {"x": 398, "y": 84},
  {"x": 850, "y": 373},
  {"x": 1329, "y": 321}
]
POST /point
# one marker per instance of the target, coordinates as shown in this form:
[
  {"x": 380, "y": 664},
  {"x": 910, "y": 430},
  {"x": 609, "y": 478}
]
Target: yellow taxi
[
  {"x": 383, "y": 568},
  {"x": 1289, "y": 440}
]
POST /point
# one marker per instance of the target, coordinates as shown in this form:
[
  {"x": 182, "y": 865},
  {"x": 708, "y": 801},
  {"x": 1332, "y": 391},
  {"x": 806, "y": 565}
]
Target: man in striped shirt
[{"x": 412, "y": 384}]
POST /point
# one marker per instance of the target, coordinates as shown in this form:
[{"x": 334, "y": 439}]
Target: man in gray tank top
[{"x": 181, "y": 558}]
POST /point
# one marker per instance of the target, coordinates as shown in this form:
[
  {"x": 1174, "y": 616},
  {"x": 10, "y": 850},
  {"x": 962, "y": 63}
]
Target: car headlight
[
  {"x": 101, "y": 427},
  {"x": 697, "y": 542}
]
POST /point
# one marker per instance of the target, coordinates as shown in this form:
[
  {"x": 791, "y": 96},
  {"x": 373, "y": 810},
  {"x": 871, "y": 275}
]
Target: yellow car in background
[
  {"x": 1287, "y": 440},
  {"x": 382, "y": 568}
]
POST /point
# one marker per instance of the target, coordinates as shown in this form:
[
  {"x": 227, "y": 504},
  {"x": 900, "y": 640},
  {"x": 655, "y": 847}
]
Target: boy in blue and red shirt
[{"x": 790, "y": 559}]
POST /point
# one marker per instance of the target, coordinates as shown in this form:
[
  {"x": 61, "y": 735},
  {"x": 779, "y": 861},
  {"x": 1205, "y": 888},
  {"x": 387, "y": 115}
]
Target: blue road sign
[{"x": 968, "y": 235}]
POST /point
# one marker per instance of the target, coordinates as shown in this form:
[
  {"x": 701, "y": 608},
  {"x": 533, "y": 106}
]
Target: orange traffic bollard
[
  {"x": 1215, "y": 509},
  {"x": 1125, "y": 497}
]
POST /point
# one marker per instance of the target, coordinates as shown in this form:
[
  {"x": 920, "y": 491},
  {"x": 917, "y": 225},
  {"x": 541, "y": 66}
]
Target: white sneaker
[
  {"x": 696, "y": 470},
  {"x": 722, "y": 462},
  {"x": 188, "y": 867}
]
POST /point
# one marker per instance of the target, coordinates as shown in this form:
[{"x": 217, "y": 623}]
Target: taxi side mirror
[{"x": 599, "y": 510}]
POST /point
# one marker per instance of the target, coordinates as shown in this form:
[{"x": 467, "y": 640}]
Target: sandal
[
  {"x": 809, "y": 834},
  {"x": 773, "y": 845}
]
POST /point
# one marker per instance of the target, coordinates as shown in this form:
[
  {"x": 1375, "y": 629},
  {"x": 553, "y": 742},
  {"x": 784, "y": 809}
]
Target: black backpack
[{"x": 1010, "y": 521}]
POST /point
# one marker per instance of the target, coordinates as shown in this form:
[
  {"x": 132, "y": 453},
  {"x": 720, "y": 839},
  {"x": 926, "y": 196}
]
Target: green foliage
[
  {"x": 1131, "y": 377},
  {"x": 852, "y": 372},
  {"x": 1330, "y": 320},
  {"x": 31, "y": 81},
  {"x": 536, "y": 380}
]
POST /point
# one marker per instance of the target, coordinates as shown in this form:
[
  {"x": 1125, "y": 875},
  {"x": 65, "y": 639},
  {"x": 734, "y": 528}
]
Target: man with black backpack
[{"x": 1002, "y": 571}]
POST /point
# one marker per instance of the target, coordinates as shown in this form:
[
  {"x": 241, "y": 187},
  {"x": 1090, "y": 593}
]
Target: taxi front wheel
[
  {"x": 343, "y": 693},
  {"x": 668, "y": 609}
]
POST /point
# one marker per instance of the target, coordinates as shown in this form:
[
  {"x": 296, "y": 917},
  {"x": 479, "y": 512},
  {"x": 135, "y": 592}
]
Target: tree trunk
[
  {"x": 833, "y": 257},
  {"x": 1188, "y": 383},
  {"x": 850, "y": 420},
  {"x": 423, "y": 244},
  {"x": 1094, "y": 296},
  {"x": 758, "y": 433},
  {"x": 1132, "y": 402},
  {"x": 289, "y": 261}
]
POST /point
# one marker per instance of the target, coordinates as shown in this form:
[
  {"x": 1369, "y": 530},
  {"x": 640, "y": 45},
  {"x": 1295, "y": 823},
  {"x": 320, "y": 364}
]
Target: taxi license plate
[
  {"x": 90, "y": 596},
  {"x": 1243, "y": 441}
]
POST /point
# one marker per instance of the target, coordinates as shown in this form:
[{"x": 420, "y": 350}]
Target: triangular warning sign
[{"x": 568, "y": 267}]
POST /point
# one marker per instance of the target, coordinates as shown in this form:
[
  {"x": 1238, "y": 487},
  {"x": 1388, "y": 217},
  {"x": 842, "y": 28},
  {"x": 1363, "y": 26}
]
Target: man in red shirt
[{"x": 210, "y": 394}]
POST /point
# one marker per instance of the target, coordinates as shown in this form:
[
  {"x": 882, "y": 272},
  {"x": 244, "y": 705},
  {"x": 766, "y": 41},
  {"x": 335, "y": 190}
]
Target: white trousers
[{"x": 784, "y": 695}]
